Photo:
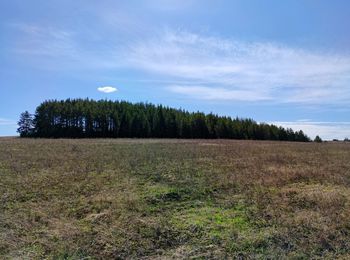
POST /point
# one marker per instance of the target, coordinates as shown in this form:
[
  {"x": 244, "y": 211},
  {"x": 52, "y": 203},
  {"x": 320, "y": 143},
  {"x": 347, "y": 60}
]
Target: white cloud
[
  {"x": 326, "y": 130},
  {"x": 107, "y": 89}
]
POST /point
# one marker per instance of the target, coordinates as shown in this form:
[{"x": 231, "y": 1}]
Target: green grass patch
[{"x": 213, "y": 221}]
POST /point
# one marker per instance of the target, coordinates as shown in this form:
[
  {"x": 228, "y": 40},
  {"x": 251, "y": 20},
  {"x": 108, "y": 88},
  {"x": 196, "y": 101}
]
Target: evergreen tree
[
  {"x": 318, "y": 139},
  {"x": 26, "y": 125}
]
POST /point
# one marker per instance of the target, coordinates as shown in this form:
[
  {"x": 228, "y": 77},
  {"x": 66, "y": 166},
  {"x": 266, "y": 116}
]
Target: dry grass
[{"x": 156, "y": 199}]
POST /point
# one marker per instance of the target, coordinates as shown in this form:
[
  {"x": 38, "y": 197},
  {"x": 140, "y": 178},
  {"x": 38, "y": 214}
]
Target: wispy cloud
[
  {"x": 326, "y": 130},
  {"x": 217, "y": 68},
  {"x": 45, "y": 41},
  {"x": 107, "y": 89},
  {"x": 63, "y": 49},
  {"x": 270, "y": 71}
]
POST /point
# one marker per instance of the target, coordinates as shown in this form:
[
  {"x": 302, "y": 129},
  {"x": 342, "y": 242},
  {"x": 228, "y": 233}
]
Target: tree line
[{"x": 86, "y": 118}]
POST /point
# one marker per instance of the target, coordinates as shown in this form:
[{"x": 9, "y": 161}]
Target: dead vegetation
[{"x": 156, "y": 199}]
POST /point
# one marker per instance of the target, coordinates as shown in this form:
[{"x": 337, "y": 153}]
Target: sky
[{"x": 281, "y": 62}]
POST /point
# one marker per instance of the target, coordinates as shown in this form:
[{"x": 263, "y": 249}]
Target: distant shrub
[{"x": 318, "y": 139}]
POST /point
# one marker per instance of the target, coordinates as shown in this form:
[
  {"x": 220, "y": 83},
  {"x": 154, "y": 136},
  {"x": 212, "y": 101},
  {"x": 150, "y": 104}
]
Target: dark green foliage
[
  {"x": 25, "y": 124},
  {"x": 85, "y": 118}
]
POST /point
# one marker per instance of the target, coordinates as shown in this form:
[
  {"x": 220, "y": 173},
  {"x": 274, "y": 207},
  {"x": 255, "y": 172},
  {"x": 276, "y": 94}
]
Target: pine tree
[
  {"x": 318, "y": 139},
  {"x": 26, "y": 126}
]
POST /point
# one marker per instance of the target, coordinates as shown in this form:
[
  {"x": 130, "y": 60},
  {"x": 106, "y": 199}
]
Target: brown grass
[{"x": 156, "y": 199}]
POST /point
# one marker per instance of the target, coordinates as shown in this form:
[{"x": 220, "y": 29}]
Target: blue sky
[{"x": 283, "y": 62}]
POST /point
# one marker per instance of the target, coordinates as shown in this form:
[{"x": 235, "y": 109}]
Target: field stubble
[{"x": 104, "y": 198}]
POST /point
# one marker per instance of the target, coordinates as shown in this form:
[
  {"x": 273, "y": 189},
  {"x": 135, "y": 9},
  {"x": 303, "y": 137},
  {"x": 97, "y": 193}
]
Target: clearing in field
[{"x": 97, "y": 199}]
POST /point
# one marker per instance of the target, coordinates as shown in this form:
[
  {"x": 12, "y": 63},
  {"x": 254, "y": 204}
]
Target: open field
[{"x": 98, "y": 199}]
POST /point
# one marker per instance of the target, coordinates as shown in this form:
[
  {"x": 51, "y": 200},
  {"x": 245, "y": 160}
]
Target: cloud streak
[
  {"x": 212, "y": 93},
  {"x": 8, "y": 122}
]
